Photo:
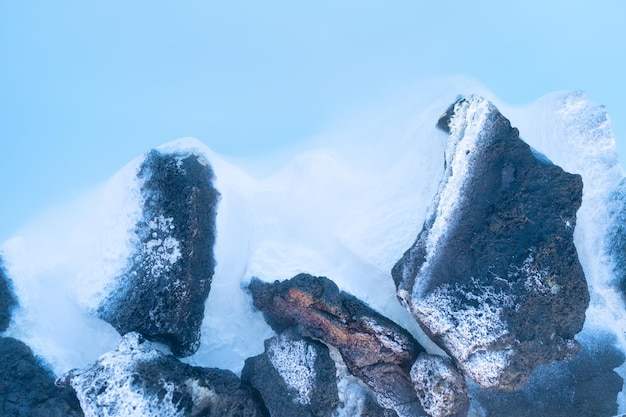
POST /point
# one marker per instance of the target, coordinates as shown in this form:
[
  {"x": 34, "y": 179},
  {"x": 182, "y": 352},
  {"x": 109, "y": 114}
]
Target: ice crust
[{"x": 346, "y": 207}]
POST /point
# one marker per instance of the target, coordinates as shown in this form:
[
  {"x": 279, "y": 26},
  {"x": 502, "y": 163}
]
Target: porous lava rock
[
  {"x": 374, "y": 348},
  {"x": 138, "y": 380},
  {"x": 440, "y": 387},
  {"x": 162, "y": 292},
  {"x": 27, "y": 386},
  {"x": 494, "y": 277},
  {"x": 295, "y": 376},
  {"x": 7, "y": 299},
  {"x": 586, "y": 386}
]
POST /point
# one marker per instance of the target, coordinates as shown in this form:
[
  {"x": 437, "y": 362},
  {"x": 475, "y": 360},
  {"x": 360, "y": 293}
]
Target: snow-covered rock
[
  {"x": 440, "y": 387},
  {"x": 295, "y": 376},
  {"x": 7, "y": 299},
  {"x": 162, "y": 292},
  {"x": 136, "y": 380},
  {"x": 494, "y": 276},
  {"x": 374, "y": 348}
]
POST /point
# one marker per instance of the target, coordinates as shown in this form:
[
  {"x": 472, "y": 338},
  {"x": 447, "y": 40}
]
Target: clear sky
[{"x": 86, "y": 86}]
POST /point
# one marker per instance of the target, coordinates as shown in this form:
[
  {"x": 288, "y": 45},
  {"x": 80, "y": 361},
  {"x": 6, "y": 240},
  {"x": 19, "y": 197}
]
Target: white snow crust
[
  {"x": 295, "y": 362},
  {"x": 108, "y": 389},
  {"x": 347, "y": 205}
]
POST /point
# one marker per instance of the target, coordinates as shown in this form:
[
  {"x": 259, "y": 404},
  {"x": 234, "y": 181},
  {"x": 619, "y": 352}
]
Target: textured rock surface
[
  {"x": 493, "y": 277},
  {"x": 7, "y": 299},
  {"x": 616, "y": 239},
  {"x": 374, "y": 348},
  {"x": 295, "y": 377},
  {"x": 587, "y": 386},
  {"x": 138, "y": 381},
  {"x": 27, "y": 387},
  {"x": 162, "y": 293},
  {"x": 439, "y": 386}
]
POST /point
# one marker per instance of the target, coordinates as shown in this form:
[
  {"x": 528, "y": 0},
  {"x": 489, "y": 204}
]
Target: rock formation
[
  {"x": 374, "y": 348},
  {"x": 162, "y": 293},
  {"x": 493, "y": 277},
  {"x": 440, "y": 387},
  {"x": 7, "y": 299},
  {"x": 27, "y": 386},
  {"x": 137, "y": 380},
  {"x": 295, "y": 376},
  {"x": 586, "y": 386}
]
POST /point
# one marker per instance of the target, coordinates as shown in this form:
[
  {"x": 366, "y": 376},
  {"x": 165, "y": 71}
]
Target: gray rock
[
  {"x": 295, "y": 376},
  {"x": 138, "y": 380},
  {"x": 163, "y": 290},
  {"x": 27, "y": 385},
  {"x": 586, "y": 386},
  {"x": 7, "y": 299},
  {"x": 493, "y": 277},
  {"x": 440, "y": 386}
]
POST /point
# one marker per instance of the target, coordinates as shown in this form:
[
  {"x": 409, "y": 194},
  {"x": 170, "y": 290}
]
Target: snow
[
  {"x": 295, "y": 362},
  {"x": 346, "y": 205},
  {"x": 109, "y": 389}
]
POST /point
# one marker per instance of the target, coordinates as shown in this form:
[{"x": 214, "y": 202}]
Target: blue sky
[{"x": 85, "y": 86}]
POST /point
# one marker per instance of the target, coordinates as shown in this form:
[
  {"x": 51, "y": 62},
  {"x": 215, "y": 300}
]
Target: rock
[
  {"x": 493, "y": 277},
  {"x": 295, "y": 377},
  {"x": 374, "y": 348},
  {"x": 27, "y": 386},
  {"x": 7, "y": 299},
  {"x": 138, "y": 380},
  {"x": 440, "y": 388},
  {"x": 162, "y": 293},
  {"x": 616, "y": 235},
  {"x": 587, "y": 386}
]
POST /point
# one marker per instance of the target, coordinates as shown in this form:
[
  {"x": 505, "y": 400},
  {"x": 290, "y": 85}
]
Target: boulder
[
  {"x": 586, "y": 386},
  {"x": 295, "y": 376},
  {"x": 138, "y": 380},
  {"x": 493, "y": 277},
  {"x": 374, "y": 348},
  {"x": 7, "y": 299},
  {"x": 27, "y": 386},
  {"x": 440, "y": 387},
  {"x": 162, "y": 292}
]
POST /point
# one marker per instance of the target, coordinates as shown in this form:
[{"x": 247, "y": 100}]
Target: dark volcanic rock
[
  {"x": 586, "y": 386},
  {"x": 7, "y": 299},
  {"x": 162, "y": 293},
  {"x": 27, "y": 387},
  {"x": 137, "y": 380},
  {"x": 374, "y": 348},
  {"x": 295, "y": 376},
  {"x": 493, "y": 277},
  {"x": 440, "y": 387}
]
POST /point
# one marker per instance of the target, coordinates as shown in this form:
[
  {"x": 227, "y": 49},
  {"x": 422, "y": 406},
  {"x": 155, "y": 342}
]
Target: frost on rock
[
  {"x": 7, "y": 299},
  {"x": 439, "y": 386},
  {"x": 374, "y": 348},
  {"x": 137, "y": 380},
  {"x": 295, "y": 376},
  {"x": 493, "y": 277},
  {"x": 295, "y": 363},
  {"x": 162, "y": 292}
]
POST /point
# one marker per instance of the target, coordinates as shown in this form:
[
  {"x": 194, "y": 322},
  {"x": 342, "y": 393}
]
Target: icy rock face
[
  {"x": 137, "y": 380},
  {"x": 585, "y": 386},
  {"x": 493, "y": 277},
  {"x": 440, "y": 386},
  {"x": 27, "y": 387},
  {"x": 7, "y": 299},
  {"x": 374, "y": 348},
  {"x": 616, "y": 239},
  {"x": 295, "y": 377},
  {"x": 168, "y": 278}
]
